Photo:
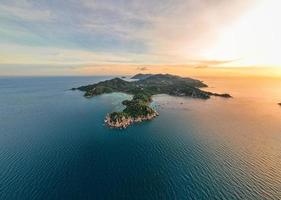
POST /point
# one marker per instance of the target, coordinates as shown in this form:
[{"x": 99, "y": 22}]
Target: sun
[{"x": 254, "y": 39}]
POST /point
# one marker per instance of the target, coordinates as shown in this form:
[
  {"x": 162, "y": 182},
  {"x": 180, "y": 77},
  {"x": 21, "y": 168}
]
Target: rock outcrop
[{"x": 124, "y": 122}]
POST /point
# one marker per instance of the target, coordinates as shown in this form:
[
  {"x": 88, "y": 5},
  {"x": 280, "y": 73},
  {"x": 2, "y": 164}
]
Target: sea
[{"x": 54, "y": 144}]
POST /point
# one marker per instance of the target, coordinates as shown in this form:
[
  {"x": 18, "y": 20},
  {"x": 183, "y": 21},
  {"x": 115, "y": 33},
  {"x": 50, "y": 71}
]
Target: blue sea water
[{"x": 54, "y": 145}]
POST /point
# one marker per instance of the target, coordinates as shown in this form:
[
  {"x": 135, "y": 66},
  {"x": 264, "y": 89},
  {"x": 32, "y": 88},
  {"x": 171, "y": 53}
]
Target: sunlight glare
[{"x": 254, "y": 39}]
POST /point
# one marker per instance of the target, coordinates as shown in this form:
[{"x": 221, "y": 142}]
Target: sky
[{"x": 88, "y": 37}]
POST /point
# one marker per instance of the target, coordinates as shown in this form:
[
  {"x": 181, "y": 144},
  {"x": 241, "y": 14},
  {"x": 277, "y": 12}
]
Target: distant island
[
  {"x": 143, "y": 89},
  {"x": 141, "y": 76}
]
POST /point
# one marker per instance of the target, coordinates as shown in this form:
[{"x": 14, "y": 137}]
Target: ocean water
[{"x": 53, "y": 144}]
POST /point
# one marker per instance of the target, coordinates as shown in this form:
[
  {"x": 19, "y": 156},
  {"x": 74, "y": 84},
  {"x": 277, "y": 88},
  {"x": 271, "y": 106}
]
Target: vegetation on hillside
[{"x": 143, "y": 90}]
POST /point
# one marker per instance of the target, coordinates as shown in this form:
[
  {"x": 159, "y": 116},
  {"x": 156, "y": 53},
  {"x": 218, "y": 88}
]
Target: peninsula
[{"x": 146, "y": 85}]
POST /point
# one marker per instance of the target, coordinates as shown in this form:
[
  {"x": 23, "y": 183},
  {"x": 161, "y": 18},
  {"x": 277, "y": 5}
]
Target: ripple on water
[{"x": 57, "y": 148}]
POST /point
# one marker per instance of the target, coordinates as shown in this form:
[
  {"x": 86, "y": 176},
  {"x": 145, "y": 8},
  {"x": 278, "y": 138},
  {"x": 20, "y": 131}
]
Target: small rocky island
[{"x": 146, "y": 85}]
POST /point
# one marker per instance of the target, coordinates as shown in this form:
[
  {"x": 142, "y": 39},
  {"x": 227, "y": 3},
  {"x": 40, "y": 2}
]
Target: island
[
  {"x": 138, "y": 109},
  {"x": 141, "y": 76}
]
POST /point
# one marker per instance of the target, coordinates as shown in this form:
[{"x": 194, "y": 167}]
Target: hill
[{"x": 138, "y": 108}]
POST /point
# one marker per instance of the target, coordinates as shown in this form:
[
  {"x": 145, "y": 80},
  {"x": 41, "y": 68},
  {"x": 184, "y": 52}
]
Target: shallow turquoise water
[{"x": 53, "y": 144}]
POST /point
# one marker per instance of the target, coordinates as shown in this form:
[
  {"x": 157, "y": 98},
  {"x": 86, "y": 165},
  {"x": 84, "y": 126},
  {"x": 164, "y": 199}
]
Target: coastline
[
  {"x": 124, "y": 122},
  {"x": 137, "y": 109}
]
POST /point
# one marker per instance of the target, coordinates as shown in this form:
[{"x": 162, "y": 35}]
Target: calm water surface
[{"x": 53, "y": 144}]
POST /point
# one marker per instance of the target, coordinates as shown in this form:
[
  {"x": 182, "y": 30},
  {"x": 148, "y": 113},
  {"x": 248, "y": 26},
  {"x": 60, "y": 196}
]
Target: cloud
[
  {"x": 201, "y": 67},
  {"x": 209, "y": 63},
  {"x": 142, "y": 68},
  {"x": 137, "y": 32},
  {"x": 24, "y": 10},
  {"x": 19, "y": 54}
]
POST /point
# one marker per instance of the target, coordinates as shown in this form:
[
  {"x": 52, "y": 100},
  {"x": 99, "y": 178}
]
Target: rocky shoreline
[
  {"x": 138, "y": 108},
  {"x": 124, "y": 122}
]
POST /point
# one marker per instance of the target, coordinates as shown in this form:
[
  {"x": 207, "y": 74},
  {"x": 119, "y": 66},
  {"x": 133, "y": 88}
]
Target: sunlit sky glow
[{"x": 86, "y": 37}]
